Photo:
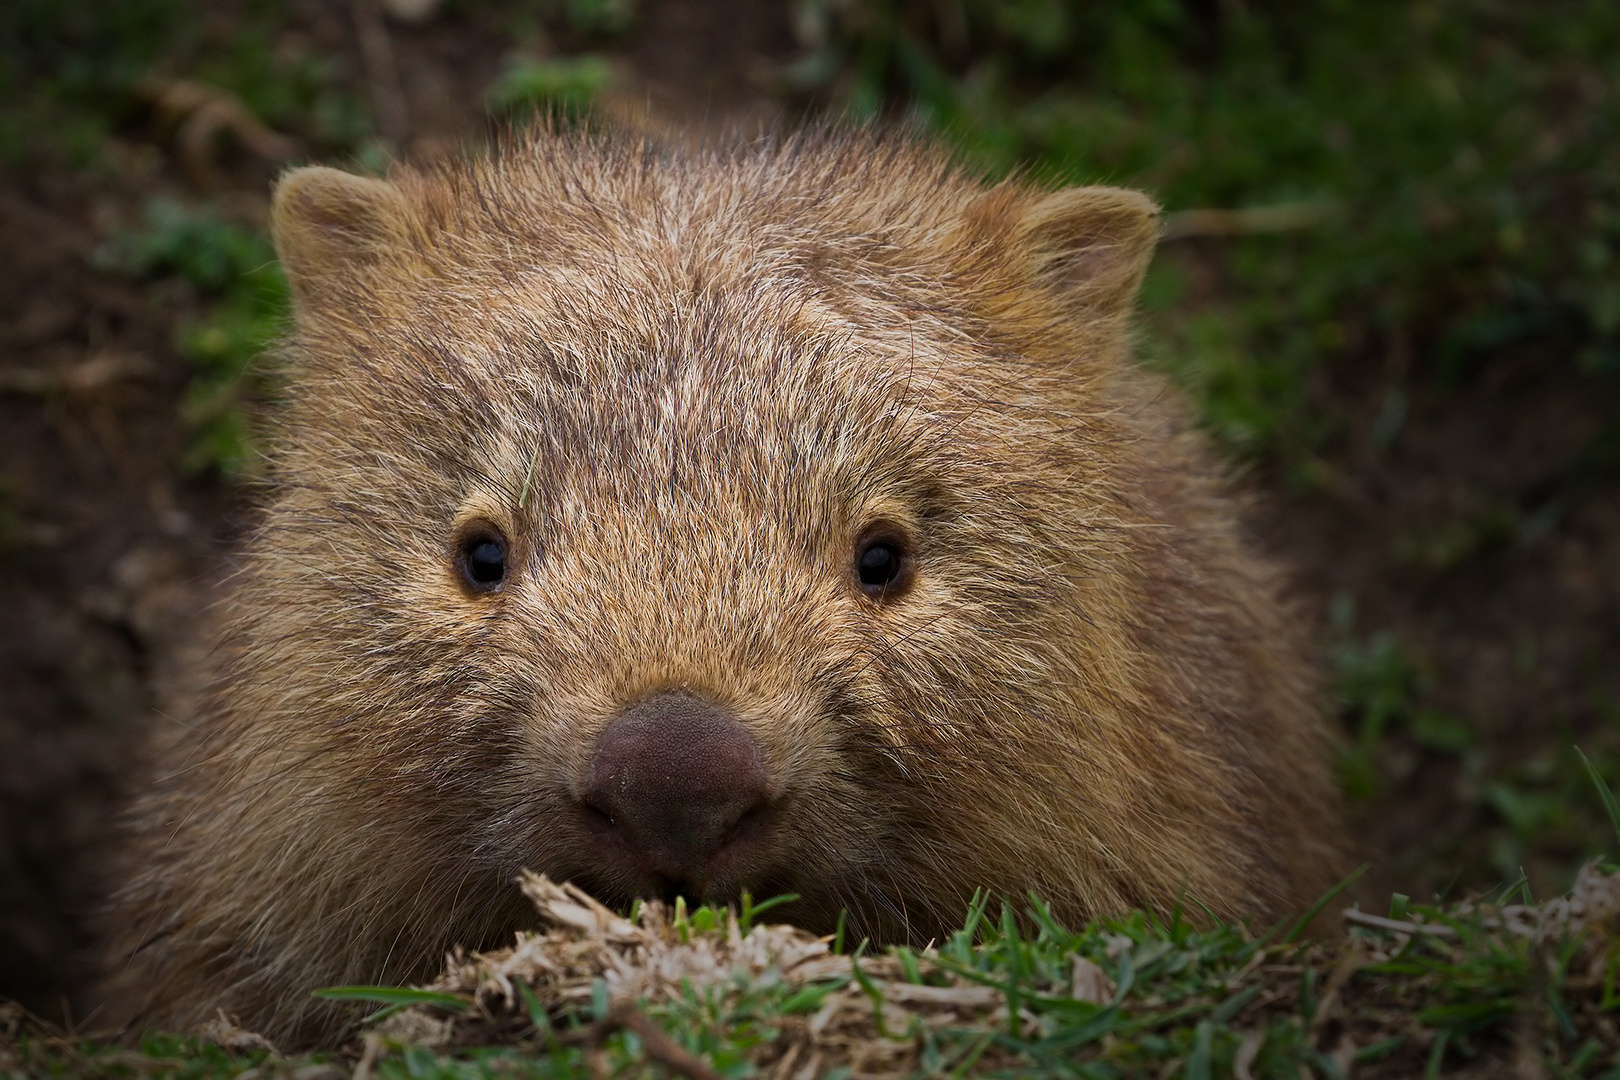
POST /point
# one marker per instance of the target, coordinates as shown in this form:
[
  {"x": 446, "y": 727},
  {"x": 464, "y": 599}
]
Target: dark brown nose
[{"x": 675, "y": 775}]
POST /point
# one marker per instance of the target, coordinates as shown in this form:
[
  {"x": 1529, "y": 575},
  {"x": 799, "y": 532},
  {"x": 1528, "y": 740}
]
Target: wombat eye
[
  {"x": 482, "y": 560},
  {"x": 881, "y": 564}
]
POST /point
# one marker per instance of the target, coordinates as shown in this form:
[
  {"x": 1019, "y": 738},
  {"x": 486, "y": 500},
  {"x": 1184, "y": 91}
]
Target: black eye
[
  {"x": 882, "y": 564},
  {"x": 483, "y": 561}
]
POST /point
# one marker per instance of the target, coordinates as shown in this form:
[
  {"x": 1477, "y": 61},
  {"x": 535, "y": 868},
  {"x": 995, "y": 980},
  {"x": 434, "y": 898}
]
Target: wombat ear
[
  {"x": 1090, "y": 244},
  {"x": 327, "y": 224}
]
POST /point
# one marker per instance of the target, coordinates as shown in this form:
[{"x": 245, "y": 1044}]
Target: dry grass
[
  {"x": 1519, "y": 989},
  {"x": 1482, "y": 989}
]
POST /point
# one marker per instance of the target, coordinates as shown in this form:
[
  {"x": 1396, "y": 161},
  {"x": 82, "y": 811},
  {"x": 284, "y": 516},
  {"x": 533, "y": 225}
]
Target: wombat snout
[{"x": 675, "y": 781}]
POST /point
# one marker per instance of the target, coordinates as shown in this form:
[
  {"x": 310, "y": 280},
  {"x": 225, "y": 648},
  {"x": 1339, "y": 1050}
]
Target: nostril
[
  {"x": 597, "y": 816},
  {"x": 747, "y": 825}
]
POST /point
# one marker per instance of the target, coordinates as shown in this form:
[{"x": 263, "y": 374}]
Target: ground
[{"x": 1452, "y": 544}]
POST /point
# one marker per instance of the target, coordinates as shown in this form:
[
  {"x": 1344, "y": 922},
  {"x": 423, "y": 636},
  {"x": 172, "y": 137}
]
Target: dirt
[
  {"x": 1482, "y": 539},
  {"x": 105, "y": 542},
  {"x": 109, "y": 550}
]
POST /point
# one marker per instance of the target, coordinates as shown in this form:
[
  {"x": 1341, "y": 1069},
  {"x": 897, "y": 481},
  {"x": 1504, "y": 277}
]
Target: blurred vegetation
[
  {"x": 67, "y": 69},
  {"x": 1468, "y": 146},
  {"x": 565, "y": 86},
  {"x": 233, "y": 273},
  {"x": 75, "y": 75},
  {"x": 71, "y": 74}
]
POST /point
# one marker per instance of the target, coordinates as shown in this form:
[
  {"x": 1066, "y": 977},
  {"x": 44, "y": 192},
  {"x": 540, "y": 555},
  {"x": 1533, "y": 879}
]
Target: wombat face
[
  {"x": 787, "y": 519},
  {"x": 671, "y": 534}
]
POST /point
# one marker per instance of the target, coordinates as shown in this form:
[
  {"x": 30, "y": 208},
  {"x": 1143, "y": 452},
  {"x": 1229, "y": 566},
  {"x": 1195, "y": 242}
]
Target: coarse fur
[{"x": 683, "y": 385}]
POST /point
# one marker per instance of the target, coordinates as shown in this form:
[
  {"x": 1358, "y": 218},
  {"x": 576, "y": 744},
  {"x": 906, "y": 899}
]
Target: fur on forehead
[{"x": 873, "y": 228}]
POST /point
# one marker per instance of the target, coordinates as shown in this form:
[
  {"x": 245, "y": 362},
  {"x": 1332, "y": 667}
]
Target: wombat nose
[{"x": 675, "y": 775}]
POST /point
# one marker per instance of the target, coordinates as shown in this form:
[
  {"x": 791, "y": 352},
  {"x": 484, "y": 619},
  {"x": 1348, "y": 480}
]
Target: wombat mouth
[{"x": 723, "y": 878}]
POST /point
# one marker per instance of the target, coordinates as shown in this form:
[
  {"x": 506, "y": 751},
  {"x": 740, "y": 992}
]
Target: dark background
[{"x": 1401, "y": 325}]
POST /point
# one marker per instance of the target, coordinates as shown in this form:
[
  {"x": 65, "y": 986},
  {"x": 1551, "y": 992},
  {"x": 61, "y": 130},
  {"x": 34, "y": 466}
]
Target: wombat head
[{"x": 785, "y": 520}]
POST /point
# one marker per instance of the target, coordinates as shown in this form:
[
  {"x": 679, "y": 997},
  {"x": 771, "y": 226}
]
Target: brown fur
[{"x": 683, "y": 385}]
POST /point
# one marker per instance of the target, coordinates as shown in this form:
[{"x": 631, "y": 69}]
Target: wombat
[{"x": 789, "y": 517}]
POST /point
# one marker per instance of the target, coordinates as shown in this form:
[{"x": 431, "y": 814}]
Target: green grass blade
[
  {"x": 752, "y": 911},
  {"x": 1603, "y": 791},
  {"x": 1316, "y": 908},
  {"x": 1199, "y": 1066}
]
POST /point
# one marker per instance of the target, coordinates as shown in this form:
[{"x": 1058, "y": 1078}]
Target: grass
[{"x": 1421, "y": 990}]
